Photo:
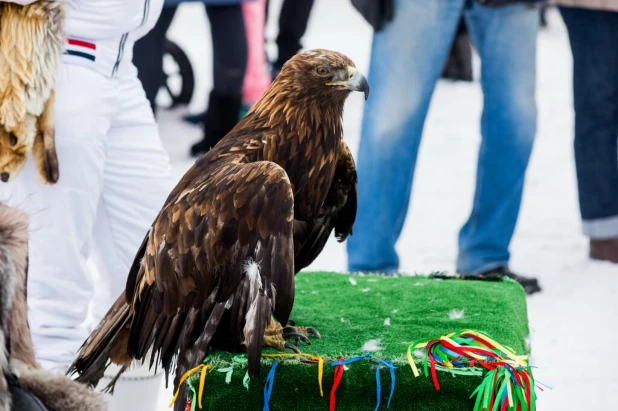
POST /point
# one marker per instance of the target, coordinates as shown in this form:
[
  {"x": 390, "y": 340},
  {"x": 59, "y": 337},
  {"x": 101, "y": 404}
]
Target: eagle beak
[{"x": 357, "y": 82}]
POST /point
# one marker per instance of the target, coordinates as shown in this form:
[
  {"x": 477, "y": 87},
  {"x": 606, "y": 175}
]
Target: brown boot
[{"x": 606, "y": 250}]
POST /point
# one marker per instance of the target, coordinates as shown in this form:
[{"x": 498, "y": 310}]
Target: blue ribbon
[
  {"x": 388, "y": 364},
  {"x": 268, "y": 386}
]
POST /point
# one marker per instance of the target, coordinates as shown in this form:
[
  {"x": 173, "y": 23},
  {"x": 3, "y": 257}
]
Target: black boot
[
  {"x": 219, "y": 119},
  {"x": 530, "y": 284}
]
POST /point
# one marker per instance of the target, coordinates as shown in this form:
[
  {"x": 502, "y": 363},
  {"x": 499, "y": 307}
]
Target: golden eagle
[{"x": 219, "y": 261}]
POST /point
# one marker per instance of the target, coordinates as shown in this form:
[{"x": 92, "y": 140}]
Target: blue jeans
[
  {"x": 594, "y": 38},
  {"x": 406, "y": 61}
]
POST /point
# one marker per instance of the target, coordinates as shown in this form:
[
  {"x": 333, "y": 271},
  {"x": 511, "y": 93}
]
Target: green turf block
[{"x": 349, "y": 311}]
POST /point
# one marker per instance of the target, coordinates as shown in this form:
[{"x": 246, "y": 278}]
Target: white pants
[{"x": 114, "y": 178}]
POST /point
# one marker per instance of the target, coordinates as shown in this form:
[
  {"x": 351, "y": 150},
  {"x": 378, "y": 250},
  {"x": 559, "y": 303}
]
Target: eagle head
[{"x": 324, "y": 72}]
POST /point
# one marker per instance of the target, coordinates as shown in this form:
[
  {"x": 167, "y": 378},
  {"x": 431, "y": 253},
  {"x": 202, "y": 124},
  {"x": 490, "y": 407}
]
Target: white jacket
[
  {"x": 109, "y": 28},
  {"x": 104, "y": 19}
]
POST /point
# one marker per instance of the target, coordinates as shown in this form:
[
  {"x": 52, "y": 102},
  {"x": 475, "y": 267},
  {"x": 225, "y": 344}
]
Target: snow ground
[{"x": 575, "y": 308}]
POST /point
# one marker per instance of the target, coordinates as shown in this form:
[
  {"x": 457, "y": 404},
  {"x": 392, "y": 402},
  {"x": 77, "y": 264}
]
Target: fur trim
[
  {"x": 7, "y": 294},
  {"x": 31, "y": 42},
  {"x": 57, "y": 392},
  {"x": 31, "y": 39},
  {"x": 14, "y": 237}
]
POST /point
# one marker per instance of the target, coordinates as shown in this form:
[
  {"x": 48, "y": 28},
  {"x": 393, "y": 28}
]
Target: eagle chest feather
[{"x": 313, "y": 176}]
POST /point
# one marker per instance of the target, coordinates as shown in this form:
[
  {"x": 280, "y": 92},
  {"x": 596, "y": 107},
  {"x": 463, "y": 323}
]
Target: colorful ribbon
[
  {"x": 317, "y": 358},
  {"x": 242, "y": 359},
  {"x": 389, "y": 364},
  {"x": 204, "y": 369},
  {"x": 337, "y": 375},
  {"x": 268, "y": 386},
  {"x": 508, "y": 384}
]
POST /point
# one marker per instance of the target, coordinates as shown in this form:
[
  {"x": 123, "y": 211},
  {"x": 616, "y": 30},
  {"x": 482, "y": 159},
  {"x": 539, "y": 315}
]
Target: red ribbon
[
  {"x": 432, "y": 363},
  {"x": 504, "y": 404},
  {"x": 338, "y": 373},
  {"x": 493, "y": 391},
  {"x": 188, "y": 405}
]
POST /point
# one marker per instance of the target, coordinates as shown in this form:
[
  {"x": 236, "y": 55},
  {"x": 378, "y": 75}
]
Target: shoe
[
  {"x": 531, "y": 285},
  {"x": 604, "y": 250},
  {"x": 221, "y": 117}
]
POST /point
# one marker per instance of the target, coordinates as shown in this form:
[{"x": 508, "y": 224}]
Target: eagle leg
[
  {"x": 278, "y": 337},
  {"x": 109, "y": 389}
]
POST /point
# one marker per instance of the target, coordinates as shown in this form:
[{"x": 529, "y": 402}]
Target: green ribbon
[{"x": 228, "y": 373}]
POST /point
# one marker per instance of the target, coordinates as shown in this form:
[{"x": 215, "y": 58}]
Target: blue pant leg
[
  {"x": 406, "y": 60},
  {"x": 505, "y": 38},
  {"x": 594, "y": 38}
]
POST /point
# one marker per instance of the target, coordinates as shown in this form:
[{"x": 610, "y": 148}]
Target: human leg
[
  {"x": 508, "y": 127},
  {"x": 293, "y": 20},
  {"x": 136, "y": 183},
  {"x": 403, "y": 73},
  {"x": 137, "y": 180},
  {"x": 257, "y": 78},
  {"x": 229, "y": 64},
  {"x": 593, "y": 35},
  {"x": 148, "y": 55}
]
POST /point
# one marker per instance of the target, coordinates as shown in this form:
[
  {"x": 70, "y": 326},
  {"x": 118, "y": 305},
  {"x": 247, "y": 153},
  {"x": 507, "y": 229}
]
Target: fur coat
[
  {"x": 56, "y": 392},
  {"x": 31, "y": 41}
]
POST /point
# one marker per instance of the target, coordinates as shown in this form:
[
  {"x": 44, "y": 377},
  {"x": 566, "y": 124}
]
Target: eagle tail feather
[
  {"x": 257, "y": 318},
  {"x": 107, "y": 341}
]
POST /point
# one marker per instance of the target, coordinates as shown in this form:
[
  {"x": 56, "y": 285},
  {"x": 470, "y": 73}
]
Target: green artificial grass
[{"x": 348, "y": 316}]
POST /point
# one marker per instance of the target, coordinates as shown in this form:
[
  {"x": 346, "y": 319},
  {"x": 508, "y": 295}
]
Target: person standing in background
[
  {"x": 257, "y": 78},
  {"x": 407, "y": 58},
  {"x": 593, "y": 34},
  {"x": 229, "y": 46},
  {"x": 115, "y": 176},
  {"x": 293, "y": 20}
]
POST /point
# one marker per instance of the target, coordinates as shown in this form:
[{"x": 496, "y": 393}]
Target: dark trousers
[
  {"x": 293, "y": 21},
  {"x": 594, "y": 43},
  {"x": 229, "y": 51}
]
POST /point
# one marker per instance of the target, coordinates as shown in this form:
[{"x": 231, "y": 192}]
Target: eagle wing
[
  {"x": 222, "y": 246},
  {"x": 338, "y": 212}
]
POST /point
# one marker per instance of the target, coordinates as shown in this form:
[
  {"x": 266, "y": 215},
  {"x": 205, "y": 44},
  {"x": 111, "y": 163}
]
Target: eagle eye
[
  {"x": 13, "y": 139},
  {"x": 322, "y": 71}
]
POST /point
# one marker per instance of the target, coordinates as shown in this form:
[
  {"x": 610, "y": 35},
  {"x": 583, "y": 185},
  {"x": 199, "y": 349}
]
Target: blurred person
[
  {"x": 257, "y": 78},
  {"x": 114, "y": 178},
  {"x": 229, "y": 46},
  {"x": 293, "y": 20},
  {"x": 407, "y": 57},
  {"x": 593, "y": 34}
]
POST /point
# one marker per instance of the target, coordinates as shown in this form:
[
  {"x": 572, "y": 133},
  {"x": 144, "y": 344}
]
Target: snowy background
[{"x": 571, "y": 319}]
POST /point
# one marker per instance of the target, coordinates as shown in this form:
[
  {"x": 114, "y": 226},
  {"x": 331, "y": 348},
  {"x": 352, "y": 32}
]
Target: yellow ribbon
[
  {"x": 411, "y": 361},
  {"x": 516, "y": 360},
  {"x": 317, "y": 358},
  {"x": 204, "y": 368}
]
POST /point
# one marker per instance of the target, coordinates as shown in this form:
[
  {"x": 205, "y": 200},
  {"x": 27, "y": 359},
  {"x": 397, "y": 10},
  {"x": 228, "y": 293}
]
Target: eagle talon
[
  {"x": 314, "y": 332},
  {"x": 297, "y": 337},
  {"x": 291, "y": 347},
  {"x": 309, "y": 331}
]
